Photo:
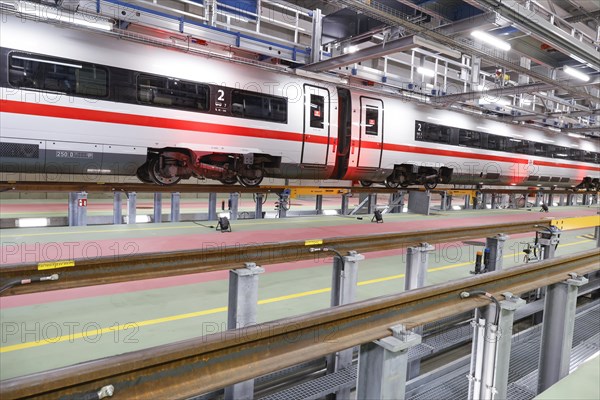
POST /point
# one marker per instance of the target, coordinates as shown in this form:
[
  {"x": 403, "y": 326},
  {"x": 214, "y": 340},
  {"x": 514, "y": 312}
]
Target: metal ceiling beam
[
  {"x": 586, "y": 129},
  {"x": 424, "y": 10},
  {"x": 529, "y": 22},
  {"x": 582, "y": 16},
  {"x": 375, "y": 51},
  {"x": 392, "y": 17},
  {"x": 492, "y": 93}
]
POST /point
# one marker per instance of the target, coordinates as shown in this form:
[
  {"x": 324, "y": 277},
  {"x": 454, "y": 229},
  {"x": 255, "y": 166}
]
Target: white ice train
[{"x": 74, "y": 101}]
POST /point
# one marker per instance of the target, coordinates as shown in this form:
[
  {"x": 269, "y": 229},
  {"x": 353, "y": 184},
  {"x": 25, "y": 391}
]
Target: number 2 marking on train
[
  {"x": 418, "y": 127},
  {"x": 221, "y": 96}
]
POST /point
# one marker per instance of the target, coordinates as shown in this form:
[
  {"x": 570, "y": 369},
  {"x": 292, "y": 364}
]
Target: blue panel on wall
[{"x": 243, "y": 8}]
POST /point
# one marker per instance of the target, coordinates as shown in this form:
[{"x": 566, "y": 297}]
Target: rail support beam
[
  {"x": 234, "y": 200},
  {"x": 175, "y": 207},
  {"x": 344, "y": 206},
  {"x": 557, "y": 331},
  {"x": 319, "y": 204},
  {"x": 212, "y": 206},
  {"x": 131, "y": 207},
  {"x": 157, "y": 208},
  {"x": 117, "y": 208},
  {"x": 382, "y": 365},
  {"x": 417, "y": 263},
  {"x": 343, "y": 291},
  {"x": 78, "y": 209},
  {"x": 258, "y": 207},
  {"x": 241, "y": 312},
  {"x": 495, "y": 245},
  {"x": 419, "y": 202}
]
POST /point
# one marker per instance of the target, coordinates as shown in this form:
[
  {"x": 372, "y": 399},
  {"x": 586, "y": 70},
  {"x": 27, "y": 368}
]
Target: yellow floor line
[{"x": 95, "y": 333}]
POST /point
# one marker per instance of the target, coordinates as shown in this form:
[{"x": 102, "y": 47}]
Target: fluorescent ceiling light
[
  {"x": 498, "y": 102},
  {"x": 437, "y": 47},
  {"x": 492, "y": 40},
  {"x": 351, "y": 49},
  {"x": 576, "y": 135},
  {"x": 51, "y": 14},
  {"x": 526, "y": 102},
  {"x": 425, "y": 71},
  {"x": 576, "y": 73}
]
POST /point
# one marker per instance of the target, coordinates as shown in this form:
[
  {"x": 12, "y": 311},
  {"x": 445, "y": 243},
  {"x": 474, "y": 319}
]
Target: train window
[
  {"x": 171, "y": 92},
  {"x": 496, "y": 142},
  {"x": 57, "y": 75},
  {"x": 317, "y": 111},
  {"x": 517, "y": 146},
  {"x": 558, "y": 152},
  {"x": 469, "y": 138},
  {"x": 541, "y": 149},
  {"x": 426, "y": 132},
  {"x": 575, "y": 154},
  {"x": 590, "y": 157},
  {"x": 372, "y": 121},
  {"x": 258, "y": 106}
]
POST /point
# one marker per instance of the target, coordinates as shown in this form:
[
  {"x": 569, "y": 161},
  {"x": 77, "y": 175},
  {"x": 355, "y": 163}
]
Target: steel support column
[
  {"x": 344, "y": 207},
  {"x": 597, "y": 235},
  {"x": 416, "y": 268},
  {"x": 561, "y": 201},
  {"x": 494, "y": 201},
  {"x": 284, "y": 201},
  {"x": 496, "y": 256},
  {"x": 77, "y": 209},
  {"x": 319, "y": 204},
  {"x": 157, "y": 208},
  {"x": 258, "y": 207},
  {"x": 131, "y": 207},
  {"x": 343, "y": 291},
  {"x": 175, "y": 207},
  {"x": 317, "y": 33},
  {"x": 557, "y": 331},
  {"x": 234, "y": 199},
  {"x": 241, "y": 312},
  {"x": 372, "y": 204},
  {"x": 212, "y": 206},
  {"x": 117, "y": 208},
  {"x": 382, "y": 365}
]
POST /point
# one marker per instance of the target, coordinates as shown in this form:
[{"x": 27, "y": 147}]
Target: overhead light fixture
[
  {"x": 576, "y": 74},
  {"x": 437, "y": 47},
  {"x": 492, "y": 40},
  {"x": 351, "y": 49},
  {"x": 498, "y": 102},
  {"x": 44, "y": 13},
  {"x": 425, "y": 72}
]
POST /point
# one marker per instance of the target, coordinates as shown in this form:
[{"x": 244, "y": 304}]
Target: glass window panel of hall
[
  {"x": 317, "y": 114},
  {"x": 171, "y": 92},
  {"x": 372, "y": 121},
  {"x": 57, "y": 75}
]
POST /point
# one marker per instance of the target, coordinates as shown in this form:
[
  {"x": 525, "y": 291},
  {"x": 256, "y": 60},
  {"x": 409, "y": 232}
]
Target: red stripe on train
[{"x": 18, "y": 107}]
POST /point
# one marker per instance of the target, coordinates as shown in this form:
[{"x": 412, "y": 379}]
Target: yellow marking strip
[
  {"x": 567, "y": 224},
  {"x": 313, "y": 242},
  {"x": 55, "y": 265},
  {"x": 97, "y": 332}
]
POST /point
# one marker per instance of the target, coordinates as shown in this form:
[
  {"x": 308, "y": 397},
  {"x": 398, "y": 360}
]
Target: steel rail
[
  {"x": 214, "y": 257},
  {"x": 108, "y": 187},
  {"x": 191, "y": 367}
]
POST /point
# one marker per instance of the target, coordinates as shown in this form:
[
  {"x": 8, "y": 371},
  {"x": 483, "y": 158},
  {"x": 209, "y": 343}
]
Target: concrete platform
[{"x": 54, "y": 329}]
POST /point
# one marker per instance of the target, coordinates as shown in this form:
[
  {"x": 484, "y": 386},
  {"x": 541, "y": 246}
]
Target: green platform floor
[
  {"x": 581, "y": 384},
  {"x": 45, "y": 336}
]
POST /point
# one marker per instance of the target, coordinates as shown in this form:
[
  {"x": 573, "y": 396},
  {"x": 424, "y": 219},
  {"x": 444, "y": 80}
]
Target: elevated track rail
[
  {"x": 195, "y": 366},
  {"x": 214, "y": 257}
]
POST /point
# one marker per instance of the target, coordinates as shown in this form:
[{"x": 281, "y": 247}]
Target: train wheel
[
  {"x": 157, "y": 177},
  {"x": 366, "y": 183},
  {"x": 249, "y": 182},
  {"x": 430, "y": 185},
  {"x": 143, "y": 174},
  {"x": 404, "y": 184},
  {"x": 391, "y": 184}
]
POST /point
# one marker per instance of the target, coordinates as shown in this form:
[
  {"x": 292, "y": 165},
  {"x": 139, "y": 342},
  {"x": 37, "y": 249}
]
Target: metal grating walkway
[{"x": 524, "y": 361}]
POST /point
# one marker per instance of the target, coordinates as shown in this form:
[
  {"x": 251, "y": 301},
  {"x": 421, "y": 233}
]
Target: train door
[
  {"x": 315, "y": 143},
  {"x": 371, "y": 132}
]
